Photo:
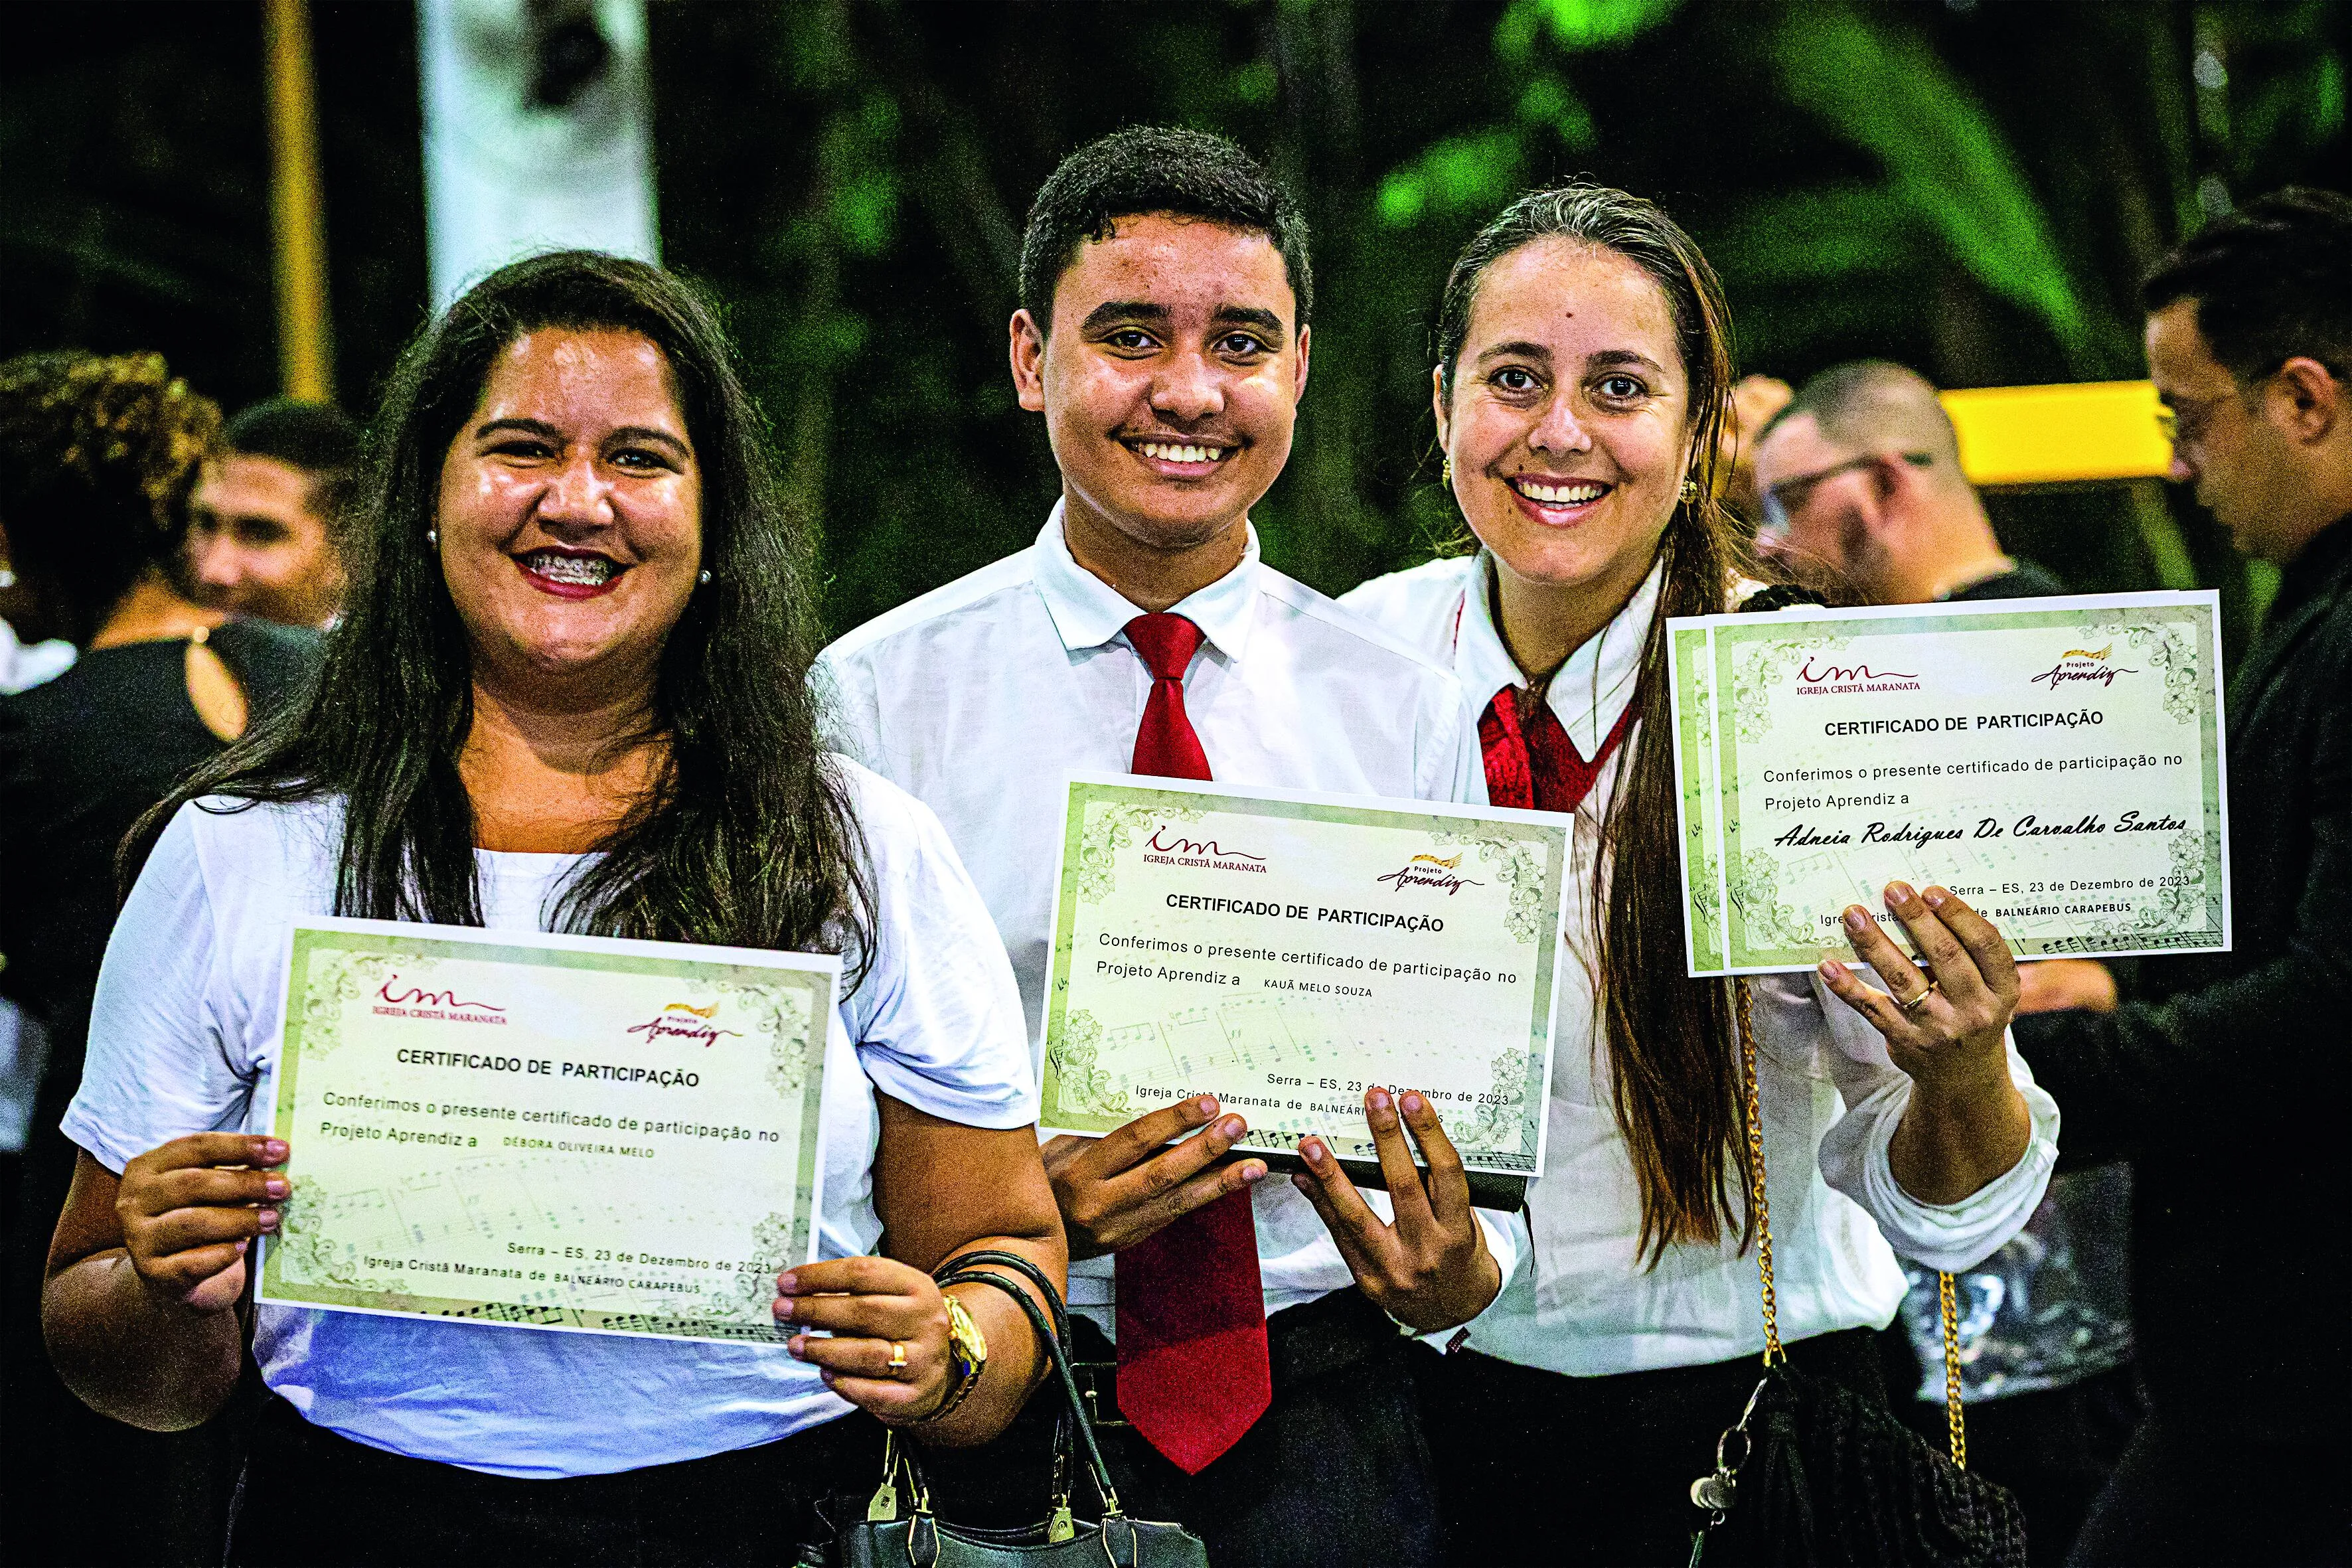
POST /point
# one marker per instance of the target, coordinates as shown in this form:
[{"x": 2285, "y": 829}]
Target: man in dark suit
[{"x": 2226, "y": 1083}]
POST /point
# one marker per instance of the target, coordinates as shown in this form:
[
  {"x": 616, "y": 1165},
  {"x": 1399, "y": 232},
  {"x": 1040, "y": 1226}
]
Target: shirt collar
[
  {"x": 1590, "y": 692},
  {"x": 1089, "y": 612}
]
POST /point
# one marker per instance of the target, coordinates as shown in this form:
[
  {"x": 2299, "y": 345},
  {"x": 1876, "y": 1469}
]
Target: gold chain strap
[
  {"x": 1761, "y": 1204},
  {"x": 1952, "y": 1417},
  {"x": 1761, "y": 1207}
]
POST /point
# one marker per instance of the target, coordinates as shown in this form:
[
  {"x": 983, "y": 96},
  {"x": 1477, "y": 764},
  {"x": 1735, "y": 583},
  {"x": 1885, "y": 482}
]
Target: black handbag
[
  {"x": 901, "y": 1532},
  {"x": 1815, "y": 1474}
]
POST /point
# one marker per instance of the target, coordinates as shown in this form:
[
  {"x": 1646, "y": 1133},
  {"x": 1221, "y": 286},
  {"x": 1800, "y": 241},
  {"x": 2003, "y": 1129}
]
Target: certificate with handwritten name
[
  {"x": 547, "y": 1132},
  {"x": 1285, "y": 950},
  {"x": 2058, "y": 762}
]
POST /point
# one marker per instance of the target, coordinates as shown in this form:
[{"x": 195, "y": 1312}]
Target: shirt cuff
[
  {"x": 1944, "y": 1236},
  {"x": 1508, "y": 1241}
]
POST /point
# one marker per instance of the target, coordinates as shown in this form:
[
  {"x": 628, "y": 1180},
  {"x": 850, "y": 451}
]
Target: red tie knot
[{"x": 1166, "y": 642}]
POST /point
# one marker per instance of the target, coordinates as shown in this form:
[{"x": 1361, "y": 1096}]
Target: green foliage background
[{"x": 1970, "y": 187}]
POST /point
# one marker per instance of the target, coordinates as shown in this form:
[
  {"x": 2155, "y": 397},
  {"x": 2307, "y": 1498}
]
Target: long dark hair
[
  {"x": 747, "y": 836},
  {"x": 1673, "y": 1072}
]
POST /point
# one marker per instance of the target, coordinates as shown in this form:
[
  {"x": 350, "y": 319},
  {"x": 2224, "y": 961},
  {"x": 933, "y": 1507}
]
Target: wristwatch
[{"x": 967, "y": 1358}]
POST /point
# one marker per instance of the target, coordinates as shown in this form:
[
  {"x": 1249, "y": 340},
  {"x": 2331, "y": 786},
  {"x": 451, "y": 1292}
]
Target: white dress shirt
[
  {"x": 186, "y": 1031},
  {"x": 1830, "y": 1097},
  {"x": 980, "y": 698}
]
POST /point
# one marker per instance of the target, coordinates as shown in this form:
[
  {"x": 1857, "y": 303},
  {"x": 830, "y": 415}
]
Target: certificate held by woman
[{"x": 547, "y": 1131}]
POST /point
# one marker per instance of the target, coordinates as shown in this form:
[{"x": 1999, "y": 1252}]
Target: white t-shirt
[
  {"x": 983, "y": 697},
  {"x": 186, "y": 1032},
  {"x": 1832, "y": 1097}
]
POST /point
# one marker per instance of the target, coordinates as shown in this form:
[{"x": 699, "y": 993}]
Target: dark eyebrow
[
  {"x": 1518, "y": 350},
  {"x": 1250, "y": 316},
  {"x": 519, "y": 427},
  {"x": 547, "y": 432},
  {"x": 648, "y": 434},
  {"x": 1111, "y": 310},
  {"x": 1608, "y": 357}
]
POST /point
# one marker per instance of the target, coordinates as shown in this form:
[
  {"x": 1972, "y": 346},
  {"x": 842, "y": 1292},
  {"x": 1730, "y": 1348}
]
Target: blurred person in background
[
  {"x": 1755, "y": 401},
  {"x": 263, "y": 532},
  {"x": 23, "y": 1046},
  {"x": 1862, "y": 496},
  {"x": 2225, "y": 1081},
  {"x": 99, "y": 457}
]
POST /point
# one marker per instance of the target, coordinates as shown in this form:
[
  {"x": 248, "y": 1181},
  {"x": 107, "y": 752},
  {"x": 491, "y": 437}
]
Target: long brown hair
[
  {"x": 749, "y": 837},
  {"x": 1673, "y": 1073}
]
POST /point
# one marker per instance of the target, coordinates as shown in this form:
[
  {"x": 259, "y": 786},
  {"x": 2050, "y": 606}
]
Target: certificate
[
  {"x": 2058, "y": 762},
  {"x": 547, "y": 1132},
  {"x": 1284, "y": 950}
]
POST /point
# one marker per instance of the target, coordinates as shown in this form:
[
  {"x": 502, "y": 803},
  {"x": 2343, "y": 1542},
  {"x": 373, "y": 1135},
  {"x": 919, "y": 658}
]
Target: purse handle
[
  {"x": 1050, "y": 1335},
  {"x": 1761, "y": 1205}
]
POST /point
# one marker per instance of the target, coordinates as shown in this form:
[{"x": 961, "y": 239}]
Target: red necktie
[
  {"x": 1531, "y": 763},
  {"x": 1193, "y": 1368}
]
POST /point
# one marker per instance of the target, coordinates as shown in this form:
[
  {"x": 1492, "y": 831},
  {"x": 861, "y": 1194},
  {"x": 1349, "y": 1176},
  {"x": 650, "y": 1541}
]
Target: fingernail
[
  {"x": 1897, "y": 893},
  {"x": 1935, "y": 897},
  {"x": 273, "y": 1150},
  {"x": 784, "y": 1308},
  {"x": 1830, "y": 969},
  {"x": 1856, "y": 921},
  {"x": 786, "y": 1284},
  {"x": 1205, "y": 1106},
  {"x": 269, "y": 1219},
  {"x": 826, "y": 1373},
  {"x": 275, "y": 1187},
  {"x": 1380, "y": 1099},
  {"x": 241, "y": 1247},
  {"x": 1252, "y": 1173},
  {"x": 797, "y": 1347},
  {"x": 1413, "y": 1104},
  {"x": 1232, "y": 1127},
  {"x": 1313, "y": 1151}
]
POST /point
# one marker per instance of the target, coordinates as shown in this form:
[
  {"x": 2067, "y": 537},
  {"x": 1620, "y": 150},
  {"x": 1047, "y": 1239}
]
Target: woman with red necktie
[{"x": 1583, "y": 370}]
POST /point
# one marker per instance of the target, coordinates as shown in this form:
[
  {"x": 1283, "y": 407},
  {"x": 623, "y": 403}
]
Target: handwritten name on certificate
[
  {"x": 547, "y": 1132},
  {"x": 2058, "y": 762},
  {"x": 1283, "y": 951}
]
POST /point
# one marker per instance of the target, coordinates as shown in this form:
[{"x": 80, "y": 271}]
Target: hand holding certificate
[
  {"x": 555, "y": 1132},
  {"x": 2056, "y": 763},
  {"x": 1286, "y": 954}
]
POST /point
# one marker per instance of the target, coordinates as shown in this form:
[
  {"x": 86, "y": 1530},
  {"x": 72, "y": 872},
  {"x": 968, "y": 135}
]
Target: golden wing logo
[
  {"x": 1433, "y": 861},
  {"x": 698, "y": 1011},
  {"x": 2088, "y": 653}
]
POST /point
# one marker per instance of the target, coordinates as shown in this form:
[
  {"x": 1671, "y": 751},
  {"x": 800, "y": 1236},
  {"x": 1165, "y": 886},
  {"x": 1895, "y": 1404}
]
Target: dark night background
[{"x": 1972, "y": 188}]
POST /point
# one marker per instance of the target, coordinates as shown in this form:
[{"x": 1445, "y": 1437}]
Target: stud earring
[
  {"x": 1690, "y": 491},
  {"x": 433, "y": 538},
  {"x": 705, "y": 578},
  {"x": 7, "y": 578}
]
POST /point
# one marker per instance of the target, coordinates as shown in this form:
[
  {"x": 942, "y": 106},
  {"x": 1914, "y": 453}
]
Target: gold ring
[
  {"x": 898, "y": 1356},
  {"x": 1920, "y": 1001}
]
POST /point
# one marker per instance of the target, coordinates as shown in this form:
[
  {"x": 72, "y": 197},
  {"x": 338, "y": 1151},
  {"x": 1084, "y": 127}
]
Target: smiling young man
[
  {"x": 262, "y": 526},
  {"x": 1162, "y": 332}
]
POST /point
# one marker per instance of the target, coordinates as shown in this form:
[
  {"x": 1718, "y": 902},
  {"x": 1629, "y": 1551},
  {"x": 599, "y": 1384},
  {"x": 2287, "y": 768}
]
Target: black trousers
[
  {"x": 311, "y": 1498},
  {"x": 2215, "y": 1502},
  {"x": 1334, "y": 1475},
  {"x": 1537, "y": 1468}
]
